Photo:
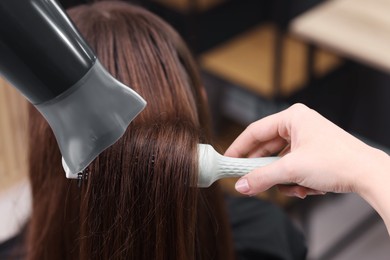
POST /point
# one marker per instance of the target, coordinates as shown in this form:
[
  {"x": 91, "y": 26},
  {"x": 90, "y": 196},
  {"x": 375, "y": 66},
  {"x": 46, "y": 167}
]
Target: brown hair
[{"x": 139, "y": 201}]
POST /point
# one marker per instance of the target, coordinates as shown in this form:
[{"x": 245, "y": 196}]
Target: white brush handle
[
  {"x": 214, "y": 166},
  {"x": 237, "y": 167}
]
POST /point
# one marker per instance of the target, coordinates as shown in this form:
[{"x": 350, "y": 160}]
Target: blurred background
[{"x": 258, "y": 57}]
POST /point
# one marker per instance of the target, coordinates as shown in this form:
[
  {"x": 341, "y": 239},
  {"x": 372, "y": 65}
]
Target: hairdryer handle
[{"x": 41, "y": 52}]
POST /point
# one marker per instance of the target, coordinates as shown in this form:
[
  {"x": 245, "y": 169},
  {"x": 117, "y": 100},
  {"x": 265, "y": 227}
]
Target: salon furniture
[{"x": 355, "y": 29}]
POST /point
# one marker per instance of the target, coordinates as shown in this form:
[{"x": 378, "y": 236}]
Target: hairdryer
[{"x": 44, "y": 56}]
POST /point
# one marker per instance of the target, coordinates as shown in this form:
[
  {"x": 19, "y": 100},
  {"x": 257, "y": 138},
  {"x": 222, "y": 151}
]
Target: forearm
[{"x": 375, "y": 187}]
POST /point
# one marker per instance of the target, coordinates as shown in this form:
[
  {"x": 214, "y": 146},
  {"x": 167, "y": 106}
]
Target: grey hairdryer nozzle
[
  {"x": 90, "y": 117},
  {"x": 44, "y": 56}
]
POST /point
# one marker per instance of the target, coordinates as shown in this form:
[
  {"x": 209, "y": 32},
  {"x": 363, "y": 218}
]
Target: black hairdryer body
[{"x": 44, "y": 56}]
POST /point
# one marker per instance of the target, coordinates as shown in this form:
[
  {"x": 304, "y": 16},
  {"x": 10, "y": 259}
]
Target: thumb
[{"x": 263, "y": 178}]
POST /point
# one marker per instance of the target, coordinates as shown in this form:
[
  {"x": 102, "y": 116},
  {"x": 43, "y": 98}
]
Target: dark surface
[
  {"x": 354, "y": 97},
  {"x": 13, "y": 249},
  {"x": 204, "y": 30},
  {"x": 262, "y": 231}
]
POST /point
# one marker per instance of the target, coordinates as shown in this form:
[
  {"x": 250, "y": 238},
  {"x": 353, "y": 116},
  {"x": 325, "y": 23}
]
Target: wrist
[
  {"x": 374, "y": 185},
  {"x": 375, "y": 173}
]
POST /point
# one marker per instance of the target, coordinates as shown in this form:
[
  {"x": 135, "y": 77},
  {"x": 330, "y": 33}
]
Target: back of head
[{"x": 139, "y": 201}]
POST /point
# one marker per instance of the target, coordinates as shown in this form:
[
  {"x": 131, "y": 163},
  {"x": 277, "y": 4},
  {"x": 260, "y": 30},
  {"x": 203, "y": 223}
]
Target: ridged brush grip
[
  {"x": 214, "y": 166},
  {"x": 237, "y": 167}
]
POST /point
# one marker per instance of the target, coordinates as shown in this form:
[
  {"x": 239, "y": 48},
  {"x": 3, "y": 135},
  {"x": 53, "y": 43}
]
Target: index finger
[{"x": 263, "y": 130}]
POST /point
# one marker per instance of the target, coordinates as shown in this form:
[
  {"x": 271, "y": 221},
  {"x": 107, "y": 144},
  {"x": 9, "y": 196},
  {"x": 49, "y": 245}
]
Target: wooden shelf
[
  {"x": 248, "y": 61},
  {"x": 356, "y": 29}
]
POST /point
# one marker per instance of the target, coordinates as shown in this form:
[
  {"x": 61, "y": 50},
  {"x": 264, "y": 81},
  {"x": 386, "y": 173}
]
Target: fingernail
[
  {"x": 242, "y": 185},
  {"x": 296, "y": 194},
  {"x": 317, "y": 193}
]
